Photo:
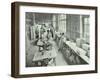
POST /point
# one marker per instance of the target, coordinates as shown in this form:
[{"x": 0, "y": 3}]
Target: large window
[
  {"x": 62, "y": 23},
  {"x": 73, "y": 27},
  {"x": 86, "y": 29}
]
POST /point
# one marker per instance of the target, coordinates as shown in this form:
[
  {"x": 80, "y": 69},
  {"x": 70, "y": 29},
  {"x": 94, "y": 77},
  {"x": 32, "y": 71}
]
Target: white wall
[{"x": 5, "y": 40}]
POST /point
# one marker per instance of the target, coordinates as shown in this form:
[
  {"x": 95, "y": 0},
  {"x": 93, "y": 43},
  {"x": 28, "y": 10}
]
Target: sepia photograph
[
  {"x": 56, "y": 39},
  {"x": 52, "y": 39}
]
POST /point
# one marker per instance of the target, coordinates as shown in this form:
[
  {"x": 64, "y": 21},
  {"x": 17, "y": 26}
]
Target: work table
[
  {"x": 79, "y": 51},
  {"x": 46, "y": 54}
]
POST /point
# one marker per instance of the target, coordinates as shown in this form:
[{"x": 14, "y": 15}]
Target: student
[
  {"x": 49, "y": 34},
  {"x": 61, "y": 42}
]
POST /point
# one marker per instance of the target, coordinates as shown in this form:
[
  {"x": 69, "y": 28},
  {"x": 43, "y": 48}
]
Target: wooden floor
[{"x": 60, "y": 60}]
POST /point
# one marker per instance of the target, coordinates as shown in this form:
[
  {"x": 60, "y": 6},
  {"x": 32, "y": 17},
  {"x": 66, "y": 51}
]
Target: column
[{"x": 81, "y": 27}]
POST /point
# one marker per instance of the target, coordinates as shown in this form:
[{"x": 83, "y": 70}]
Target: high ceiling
[{"x": 39, "y": 17}]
